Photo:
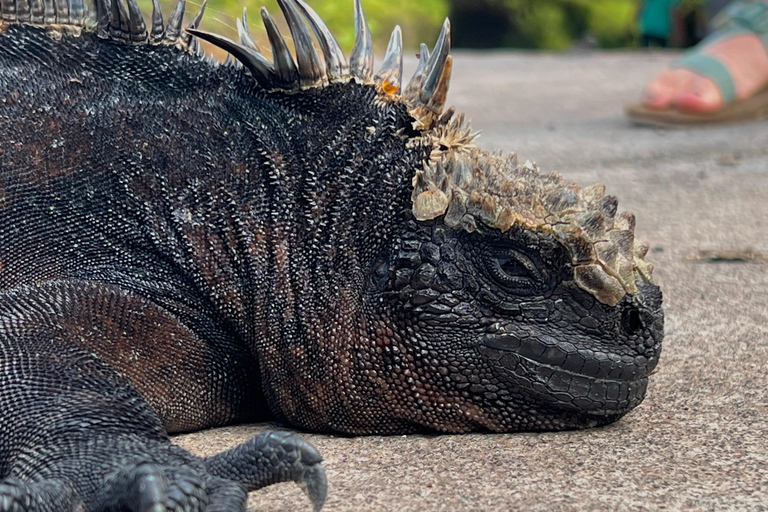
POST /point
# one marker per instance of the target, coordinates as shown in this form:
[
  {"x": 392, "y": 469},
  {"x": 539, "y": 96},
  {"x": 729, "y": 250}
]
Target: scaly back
[{"x": 456, "y": 182}]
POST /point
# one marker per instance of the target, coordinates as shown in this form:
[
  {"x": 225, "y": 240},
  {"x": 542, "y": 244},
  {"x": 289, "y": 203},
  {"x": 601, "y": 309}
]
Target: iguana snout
[{"x": 600, "y": 378}]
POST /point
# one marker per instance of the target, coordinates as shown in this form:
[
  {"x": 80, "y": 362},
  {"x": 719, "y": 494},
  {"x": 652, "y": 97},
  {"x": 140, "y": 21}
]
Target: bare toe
[
  {"x": 661, "y": 92},
  {"x": 702, "y": 95},
  {"x": 728, "y": 66}
]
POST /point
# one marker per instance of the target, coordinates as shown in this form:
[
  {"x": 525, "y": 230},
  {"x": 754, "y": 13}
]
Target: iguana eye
[{"x": 514, "y": 271}]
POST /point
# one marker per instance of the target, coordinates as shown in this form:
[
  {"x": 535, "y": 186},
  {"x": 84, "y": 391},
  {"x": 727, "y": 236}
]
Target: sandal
[{"x": 740, "y": 17}]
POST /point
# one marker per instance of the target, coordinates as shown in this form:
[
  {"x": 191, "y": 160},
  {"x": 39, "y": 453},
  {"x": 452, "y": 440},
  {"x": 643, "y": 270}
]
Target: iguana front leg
[{"x": 76, "y": 434}]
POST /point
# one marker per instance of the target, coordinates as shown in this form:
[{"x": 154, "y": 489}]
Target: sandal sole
[{"x": 749, "y": 109}]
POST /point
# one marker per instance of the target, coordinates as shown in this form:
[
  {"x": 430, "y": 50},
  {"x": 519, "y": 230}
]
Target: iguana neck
[{"x": 283, "y": 239}]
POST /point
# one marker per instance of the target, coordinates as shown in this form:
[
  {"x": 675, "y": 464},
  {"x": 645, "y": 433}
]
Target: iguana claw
[{"x": 270, "y": 458}]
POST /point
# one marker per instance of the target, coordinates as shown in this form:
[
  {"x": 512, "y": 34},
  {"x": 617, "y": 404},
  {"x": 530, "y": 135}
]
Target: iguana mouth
[{"x": 554, "y": 372}]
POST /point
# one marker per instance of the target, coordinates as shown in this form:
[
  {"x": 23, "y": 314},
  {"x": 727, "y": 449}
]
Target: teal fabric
[
  {"x": 740, "y": 17},
  {"x": 747, "y": 15},
  {"x": 656, "y": 17},
  {"x": 712, "y": 68}
]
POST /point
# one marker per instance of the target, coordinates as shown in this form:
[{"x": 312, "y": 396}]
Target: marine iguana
[{"x": 185, "y": 244}]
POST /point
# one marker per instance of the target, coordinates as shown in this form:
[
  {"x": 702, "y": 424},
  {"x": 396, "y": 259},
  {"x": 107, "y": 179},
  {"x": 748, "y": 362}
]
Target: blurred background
[{"x": 531, "y": 24}]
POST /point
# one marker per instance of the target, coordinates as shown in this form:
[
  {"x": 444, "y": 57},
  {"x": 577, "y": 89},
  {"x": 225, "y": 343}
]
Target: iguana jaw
[{"x": 559, "y": 374}]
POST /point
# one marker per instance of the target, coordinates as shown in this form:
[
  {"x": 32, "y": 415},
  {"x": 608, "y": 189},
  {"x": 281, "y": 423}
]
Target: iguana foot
[
  {"x": 158, "y": 477},
  {"x": 270, "y": 458},
  {"x": 154, "y": 487}
]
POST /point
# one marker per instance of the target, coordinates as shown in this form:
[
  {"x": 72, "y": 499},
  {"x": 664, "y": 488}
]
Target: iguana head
[{"x": 503, "y": 298}]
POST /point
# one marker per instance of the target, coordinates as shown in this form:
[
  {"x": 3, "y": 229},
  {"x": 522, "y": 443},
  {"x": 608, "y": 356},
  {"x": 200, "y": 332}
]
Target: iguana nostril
[{"x": 631, "y": 321}]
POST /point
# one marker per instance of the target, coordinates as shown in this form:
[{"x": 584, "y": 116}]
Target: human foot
[{"x": 745, "y": 58}]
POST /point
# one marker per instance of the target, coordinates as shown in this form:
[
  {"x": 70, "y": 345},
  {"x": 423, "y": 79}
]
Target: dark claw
[
  {"x": 77, "y": 10},
  {"x": 102, "y": 15},
  {"x": 138, "y": 31},
  {"x": 314, "y": 483},
  {"x": 390, "y": 76},
  {"x": 9, "y": 10},
  {"x": 23, "y": 9},
  {"x": 146, "y": 486},
  {"x": 270, "y": 458},
  {"x": 49, "y": 12},
  {"x": 417, "y": 81},
  {"x": 37, "y": 9},
  {"x": 62, "y": 11},
  {"x": 119, "y": 23}
]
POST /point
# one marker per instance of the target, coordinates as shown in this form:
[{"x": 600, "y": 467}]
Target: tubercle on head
[
  {"x": 458, "y": 181},
  {"x": 466, "y": 186}
]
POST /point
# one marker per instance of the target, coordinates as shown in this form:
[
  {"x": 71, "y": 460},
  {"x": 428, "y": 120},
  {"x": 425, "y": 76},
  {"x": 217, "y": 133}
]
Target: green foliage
[
  {"x": 555, "y": 24},
  {"x": 420, "y": 20},
  {"x": 612, "y": 22},
  {"x": 545, "y": 26}
]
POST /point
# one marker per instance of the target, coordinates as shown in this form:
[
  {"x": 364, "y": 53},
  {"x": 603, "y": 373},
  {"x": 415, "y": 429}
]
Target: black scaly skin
[{"x": 180, "y": 249}]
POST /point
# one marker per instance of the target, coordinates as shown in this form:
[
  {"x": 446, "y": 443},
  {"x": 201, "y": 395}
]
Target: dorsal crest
[
  {"x": 458, "y": 183},
  {"x": 425, "y": 93}
]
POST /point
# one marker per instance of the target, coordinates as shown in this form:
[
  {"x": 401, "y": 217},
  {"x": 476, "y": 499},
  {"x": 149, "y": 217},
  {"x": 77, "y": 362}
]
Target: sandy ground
[{"x": 698, "y": 440}]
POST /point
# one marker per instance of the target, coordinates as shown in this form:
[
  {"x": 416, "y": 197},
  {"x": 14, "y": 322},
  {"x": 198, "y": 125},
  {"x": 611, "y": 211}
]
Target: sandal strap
[
  {"x": 744, "y": 15},
  {"x": 739, "y": 17},
  {"x": 713, "y": 69}
]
